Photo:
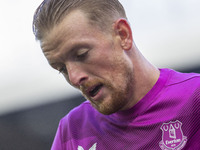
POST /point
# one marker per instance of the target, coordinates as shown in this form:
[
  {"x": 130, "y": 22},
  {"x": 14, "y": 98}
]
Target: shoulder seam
[{"x": 184, "y": 80}]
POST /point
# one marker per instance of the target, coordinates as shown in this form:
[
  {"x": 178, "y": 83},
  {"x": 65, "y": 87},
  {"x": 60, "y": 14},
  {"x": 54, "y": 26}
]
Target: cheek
[
  {"x": 103, "y": 69},
  {"x": 105, "y": 61},
  {"x": 100, "y": 65}
]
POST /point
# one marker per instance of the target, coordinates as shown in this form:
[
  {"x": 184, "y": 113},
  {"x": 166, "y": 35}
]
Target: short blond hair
[{"x": 52, "y": 12}]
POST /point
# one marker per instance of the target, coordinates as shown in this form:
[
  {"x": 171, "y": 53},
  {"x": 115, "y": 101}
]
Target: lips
[{"x": 93, "y": 91}]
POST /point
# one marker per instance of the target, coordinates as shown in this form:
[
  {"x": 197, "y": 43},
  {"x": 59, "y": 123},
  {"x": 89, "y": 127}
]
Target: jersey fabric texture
[{"x": 167, "y": 117}]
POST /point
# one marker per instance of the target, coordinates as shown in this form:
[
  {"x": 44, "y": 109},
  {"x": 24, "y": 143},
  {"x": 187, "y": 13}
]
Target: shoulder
[
  {"x": 182, "y": 87},
  {"x": 72, "y": 125},
  {"x": 185, "y": 86},
  {"x": 79, "y": 113},
  {"x": 77, "y": 119},
  {"x": 183, "y": 78},
  {"x": 79, "y": 123}
]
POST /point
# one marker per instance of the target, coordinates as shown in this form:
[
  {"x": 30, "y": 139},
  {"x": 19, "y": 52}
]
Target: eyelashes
[{"x": 81, "y": 54}]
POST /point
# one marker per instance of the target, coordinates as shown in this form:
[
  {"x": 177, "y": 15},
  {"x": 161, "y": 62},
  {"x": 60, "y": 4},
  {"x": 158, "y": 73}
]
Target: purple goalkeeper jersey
[{"x": 167, "y": 118}]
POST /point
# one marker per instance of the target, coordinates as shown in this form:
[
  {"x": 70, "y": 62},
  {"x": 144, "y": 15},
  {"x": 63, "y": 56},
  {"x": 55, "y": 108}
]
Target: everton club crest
[{"x": 172, "y": 136}]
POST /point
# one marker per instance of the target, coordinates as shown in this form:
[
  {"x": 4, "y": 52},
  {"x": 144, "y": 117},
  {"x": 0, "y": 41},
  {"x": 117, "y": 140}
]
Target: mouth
[{"x": 93, "y": 91}]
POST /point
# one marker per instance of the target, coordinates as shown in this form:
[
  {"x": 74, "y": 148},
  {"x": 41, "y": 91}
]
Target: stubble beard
[{"x": 119, "y": 97}]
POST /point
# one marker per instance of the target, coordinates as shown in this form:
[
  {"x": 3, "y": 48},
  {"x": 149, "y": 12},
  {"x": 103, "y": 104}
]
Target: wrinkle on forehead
[
  {"x": 53, "y": 39},
  {"x": 62, "y": 31}
]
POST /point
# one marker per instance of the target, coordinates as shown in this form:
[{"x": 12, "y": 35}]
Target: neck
[{"x": 145, "y": 76}]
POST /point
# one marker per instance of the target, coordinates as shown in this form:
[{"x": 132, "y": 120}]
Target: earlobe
[{"x": 123, "y": 30}]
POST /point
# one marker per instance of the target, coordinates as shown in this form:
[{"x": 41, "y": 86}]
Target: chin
[{"x": 107, "y": 110}]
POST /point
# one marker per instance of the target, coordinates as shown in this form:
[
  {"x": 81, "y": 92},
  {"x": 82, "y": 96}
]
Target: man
[{"x": 131, "y": 104}]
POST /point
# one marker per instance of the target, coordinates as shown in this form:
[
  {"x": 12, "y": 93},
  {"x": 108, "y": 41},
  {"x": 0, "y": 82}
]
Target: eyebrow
[{"x": 46, "y": 47}]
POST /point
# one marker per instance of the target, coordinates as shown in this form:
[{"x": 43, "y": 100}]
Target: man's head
[
  {"x": 99, "y": 12},
  {"x": 94, "y": 51}
]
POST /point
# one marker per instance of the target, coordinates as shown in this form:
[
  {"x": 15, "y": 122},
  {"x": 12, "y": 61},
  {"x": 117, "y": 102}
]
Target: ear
[{"x": 123, "y": 30}]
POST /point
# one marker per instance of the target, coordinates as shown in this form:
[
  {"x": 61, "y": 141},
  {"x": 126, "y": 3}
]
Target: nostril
[{"x": 82, "y": 80}]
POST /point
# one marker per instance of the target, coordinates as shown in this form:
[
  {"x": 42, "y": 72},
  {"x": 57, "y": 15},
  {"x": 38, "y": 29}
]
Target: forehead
[{"x": 74, "y": 24}]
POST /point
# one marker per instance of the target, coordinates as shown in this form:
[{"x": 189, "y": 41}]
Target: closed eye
[
  {"x": 82, "y": 53},
  {"x": 82, "y": 56}
]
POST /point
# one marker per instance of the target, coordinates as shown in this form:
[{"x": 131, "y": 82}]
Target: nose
[{"x": 76, "y": 74}]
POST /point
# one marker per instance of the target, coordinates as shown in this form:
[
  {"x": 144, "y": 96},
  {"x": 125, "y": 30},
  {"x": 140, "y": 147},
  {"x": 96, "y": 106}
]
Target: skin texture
[{"x": 89, "y": 58}]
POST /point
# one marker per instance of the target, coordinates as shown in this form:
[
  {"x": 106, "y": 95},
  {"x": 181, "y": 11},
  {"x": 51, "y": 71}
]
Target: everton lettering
[{"x": 173, "y": 141}]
